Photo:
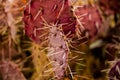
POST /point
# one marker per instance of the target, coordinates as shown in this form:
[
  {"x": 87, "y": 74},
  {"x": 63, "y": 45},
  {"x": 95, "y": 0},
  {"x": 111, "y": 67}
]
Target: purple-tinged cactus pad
[
  {"x": 10, "y": 71},
  {"x": 40, "y": 13},
  {"x": 90, "y": 19},
  {"x": 58, "y": 52}
]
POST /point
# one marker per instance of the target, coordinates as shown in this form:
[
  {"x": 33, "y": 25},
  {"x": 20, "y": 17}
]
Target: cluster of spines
[
  {"x": 58, "y": 51},
  {"x": 114, "y": 72},
  {"x": 9, "y": 19},
  {"x": 38, "y": 18},
  {"x": 10, "y": 71}
]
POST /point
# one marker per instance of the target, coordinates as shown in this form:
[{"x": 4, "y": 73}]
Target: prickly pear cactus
[
  {"x": 40, "y": 13},
  {"x": 39, "y": 16},
  {"x": 89, "y": 19},
  {"x": 54, "y": 29},
  {"x": 10, "y": 71}
]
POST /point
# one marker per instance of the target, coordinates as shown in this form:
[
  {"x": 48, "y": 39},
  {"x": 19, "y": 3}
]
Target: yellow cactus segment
[{"x": 40, "y": 61}]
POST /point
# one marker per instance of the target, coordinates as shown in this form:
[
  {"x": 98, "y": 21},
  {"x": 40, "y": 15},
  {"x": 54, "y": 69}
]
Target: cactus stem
[
  {"x": 70, "y": 72},
  {"x": 56, "y": 50},
  {"x": 38, "y": 14},
  {"x": 43, "y": 35},
  {"x": 61, "y": 10}
]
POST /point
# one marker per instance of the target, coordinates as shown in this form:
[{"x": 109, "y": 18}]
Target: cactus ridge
[{"x": 58, "y": 51}]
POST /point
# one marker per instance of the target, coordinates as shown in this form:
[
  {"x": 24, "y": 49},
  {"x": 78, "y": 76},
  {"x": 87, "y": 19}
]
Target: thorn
[
  {"x": 80, "y": 64},
  {"x": 83, "y": 77},
  {"x": 80, "y": 38},
  {"x": 44, "y": 42},
  {"x": 23, "y": 61},
  {"x": 89, "y": 16},
  {"x": 78, "y": 52},
  {"x": 34, "y": 32},
  {"x": 73, "y": 58},
  {"x": 80, "y": 59},
  {"x": 42, "y": 28},
  {"x": 82, "y": 15},
  {"x": 68, "y": 34},
  {"x": 53, "y": 78},
  {"x": 78, "y": 32},
  {"x": 38, "y": 13},
  {"x": 73, "y": 47},
  {"x": 51, "y": 54},
  {"x": 70, "y": 72},
  {"x": 61, "y": 9},
  {"x": 44, "y": 49},
  {"x": 79, "y": 22},
  {"x": 64, "y": 56},
  {"x": 55, "y": 7},
  {"x": 75, "y": 7},
  {"x": 97, "y": 25},
  {"x": 50, "y": 70},
  {"x": 29, "y": 6},
  {"x": 51, "y": 62},
  {"x": 118, "y": 69},
  {"x": 44, "y": 20},
  {"x": 42, "y": 35},
  {"x": 106, "y": 51}
]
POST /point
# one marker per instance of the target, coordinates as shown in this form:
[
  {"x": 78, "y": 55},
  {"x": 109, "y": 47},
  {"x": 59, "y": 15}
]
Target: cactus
[
  {"x": 112, "y": 53},
  {"x": 10, "y": 17},
  {"x": 40, "y": 61},
  {"x": 10, "y": 71},
  {"x": 38, "y": 17},
  {"x": 38, "y": 13},
  {"x": 88, "y": 19},
  {"x": 58, "y": 51},
  {"x": 53, "y": 30},
  {"x": 114, "y": 73}
]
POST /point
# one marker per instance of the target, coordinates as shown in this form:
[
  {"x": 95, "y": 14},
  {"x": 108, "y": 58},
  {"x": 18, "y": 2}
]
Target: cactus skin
[
  {"x": 58, "y": 51},
  {"x": 10, "y": 71},
  {"x": 114, "y": 73},
  {"x": 90, "y": 19},
  {"x": 40, "y": 12}
]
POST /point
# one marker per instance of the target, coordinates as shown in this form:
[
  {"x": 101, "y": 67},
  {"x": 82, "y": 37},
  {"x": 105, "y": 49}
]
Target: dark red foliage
[
  {"x": 110, "y": 6},
  {"x": 90, "y": 19},
  {"x": 51, "y": 11}
]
